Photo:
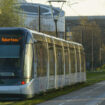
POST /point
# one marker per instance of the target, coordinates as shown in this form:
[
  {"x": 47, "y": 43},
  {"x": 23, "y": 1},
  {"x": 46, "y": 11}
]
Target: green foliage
[
  {"x": 88, "y": 33},
  {"x": 102, "y": 68},
  {"x": 94, "y": 77},
  {"x": 8, "y": 16}
]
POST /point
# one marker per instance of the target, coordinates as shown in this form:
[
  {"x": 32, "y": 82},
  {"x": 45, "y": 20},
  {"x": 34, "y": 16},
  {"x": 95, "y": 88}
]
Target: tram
[{"x": 33, "y": 62}]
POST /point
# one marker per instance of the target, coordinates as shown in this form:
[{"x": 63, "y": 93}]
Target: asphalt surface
[{"x": 92, "y": 95}]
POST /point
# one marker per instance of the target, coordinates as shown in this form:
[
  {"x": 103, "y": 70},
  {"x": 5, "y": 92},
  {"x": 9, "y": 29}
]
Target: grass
[{"x": 92, "y": 77}]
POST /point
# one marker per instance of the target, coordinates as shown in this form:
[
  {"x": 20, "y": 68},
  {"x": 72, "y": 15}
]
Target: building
[
  {"x": 72, "y": 21},
  {"x": 42, "y": 20},
  {"x": 22, "y": 1}
]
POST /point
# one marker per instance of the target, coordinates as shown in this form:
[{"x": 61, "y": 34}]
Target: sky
[{"x": 79, "y": 7}]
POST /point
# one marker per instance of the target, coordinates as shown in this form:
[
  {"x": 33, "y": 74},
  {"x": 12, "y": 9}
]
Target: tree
[
  {"x": 8, "y": 16},
  {"x": 89, "y": 34}
]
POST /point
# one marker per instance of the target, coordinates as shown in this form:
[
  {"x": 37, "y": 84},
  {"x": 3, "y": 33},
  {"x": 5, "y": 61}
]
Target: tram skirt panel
[
  {"x": 78, "y": 76},
  {"x": 51, "y": 82},
  {"x": 73, "y": 78},
  {"x": 42, "y": 84},
  {"x": 83, "y": 76},
  {"x": 67, "y": 79},
  {"x": 60, "y": 81}
]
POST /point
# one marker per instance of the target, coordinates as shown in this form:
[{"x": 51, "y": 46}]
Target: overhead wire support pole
[
  {"x": 57, "y": 17},
  {"x": 51, "y": 9},
  {"x": 39, "y": 17},
  {"x": 92, "y": 53},
  {"x": 60, "y": 11}
]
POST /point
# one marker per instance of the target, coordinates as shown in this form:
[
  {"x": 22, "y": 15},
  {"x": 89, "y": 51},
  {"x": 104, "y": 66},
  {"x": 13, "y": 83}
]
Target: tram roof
[
  {"x": 43, "y": 34},
  {"x": 39, "y": 33}
]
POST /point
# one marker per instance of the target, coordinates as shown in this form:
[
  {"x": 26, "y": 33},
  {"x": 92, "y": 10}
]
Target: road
[{"x": 91, "y": 95}]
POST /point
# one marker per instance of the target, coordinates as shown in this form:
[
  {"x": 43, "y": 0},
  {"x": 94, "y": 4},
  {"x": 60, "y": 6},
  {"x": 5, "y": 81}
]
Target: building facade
[
  {"x": 73, "y": 21},
  {"x": 39, "y": 17}
]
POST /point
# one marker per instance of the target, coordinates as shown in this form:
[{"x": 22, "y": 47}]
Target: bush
[{"x": 102, "y": 68}]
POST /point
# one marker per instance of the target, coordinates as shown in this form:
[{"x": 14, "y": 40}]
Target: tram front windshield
[{"x": 10, "y": 59}]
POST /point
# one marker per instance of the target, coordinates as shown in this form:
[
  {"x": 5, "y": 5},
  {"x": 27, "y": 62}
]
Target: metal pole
[
  {"x": 39, "y": 18},
  {"x": 100, "y": 51},
  {"x": 82, "y": 37},
  {"x": 65, "y": 36},
  {"x": 56, "y": 31},
  {"x": 57, "y": 17},
  {"x": 92, "y": 54}
]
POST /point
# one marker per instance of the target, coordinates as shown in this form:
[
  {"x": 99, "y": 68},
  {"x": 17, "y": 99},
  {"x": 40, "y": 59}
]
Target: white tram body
[{"x": 33, "y": 62}]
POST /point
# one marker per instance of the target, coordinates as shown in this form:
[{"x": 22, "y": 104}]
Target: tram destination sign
[{"x": 7, "y": 39}]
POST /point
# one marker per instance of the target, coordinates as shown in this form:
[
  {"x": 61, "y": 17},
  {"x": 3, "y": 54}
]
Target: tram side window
[
  {"x": 78, "y": 60},
  {"x": 60, "y": 62},
  {"x": 51, "y": 60},
  {"x": 41, "y": 58},
  {"x": 72, "y": 58},
  {"x": 66, "y": 61}
]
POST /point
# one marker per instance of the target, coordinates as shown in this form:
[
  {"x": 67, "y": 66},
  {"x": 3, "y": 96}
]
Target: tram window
[
  {"x": 51, "y": 60},
  {"x": 41, "y": 58},
  {"x": 78, "y": 60},
  {"x": 72, "y": 58},
  {"x": 66, "y": 61},
  {"x": 10, "y": 61},
  {"x": 13, "y": 51},
  {"x": 60, "y": 62}
]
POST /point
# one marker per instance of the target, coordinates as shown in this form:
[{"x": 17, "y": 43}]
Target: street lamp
[{"x": 55, "y": 18}]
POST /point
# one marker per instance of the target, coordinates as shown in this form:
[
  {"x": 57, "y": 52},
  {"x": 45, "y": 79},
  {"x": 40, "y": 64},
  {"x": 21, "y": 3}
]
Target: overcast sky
[{"x": 80, "y": 7}]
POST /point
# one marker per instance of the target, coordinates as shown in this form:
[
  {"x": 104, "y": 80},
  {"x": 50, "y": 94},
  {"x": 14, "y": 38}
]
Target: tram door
[
  {"x": 66, "y": 53},
  {"x": 72, "y": 58},
  {"x": 40, "y": 63},
  {"x": 78, "y": 65},
  {"x": 60, "y": 67},
  {"x": 51, "y": 66}
]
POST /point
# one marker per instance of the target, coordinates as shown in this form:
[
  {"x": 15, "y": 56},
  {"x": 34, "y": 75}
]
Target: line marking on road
[{"x": 61, "y": 103}]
